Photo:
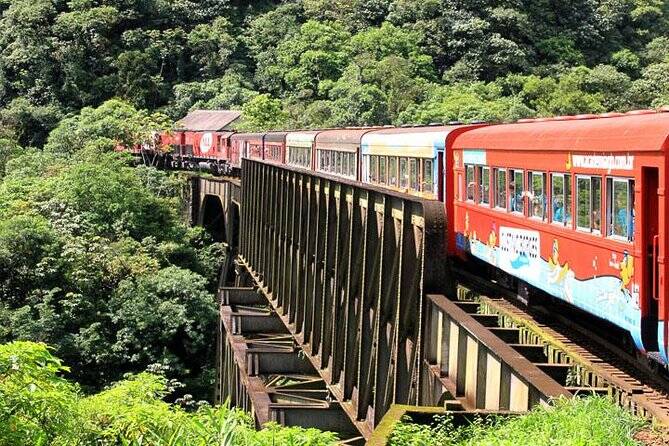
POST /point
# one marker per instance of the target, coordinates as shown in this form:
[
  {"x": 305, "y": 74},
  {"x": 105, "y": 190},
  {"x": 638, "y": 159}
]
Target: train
[{"x": 571, "y": 207}]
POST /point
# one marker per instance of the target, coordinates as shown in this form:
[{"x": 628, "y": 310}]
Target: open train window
[
  {"x": 428, "y": 179},
  {"x": 413, "y": 173},
  {"x": 516, "y": 188},
  {"x": 484, "y": 184},
  {"x": 392, "y": 171},
  {"x": 373, "y": 169},
  {"x": 538, "y": 195},
  {"x": 620, "y": 215},
  {"x": 404, "y": 173},
  {"x": 500, "y": 188},
  {"x": 561, "y": 199},
  {"x": 382, "y": 169},
  {"x": 588, "y": 203},
  {"x": 471, "y": 182}
]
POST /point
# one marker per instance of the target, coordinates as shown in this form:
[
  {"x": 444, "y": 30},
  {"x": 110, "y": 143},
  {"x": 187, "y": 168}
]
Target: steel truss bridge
[{"x": 337, "y": 309}]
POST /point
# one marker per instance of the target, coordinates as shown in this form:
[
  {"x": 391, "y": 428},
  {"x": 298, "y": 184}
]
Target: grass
[{"x": 588, "y": 421}]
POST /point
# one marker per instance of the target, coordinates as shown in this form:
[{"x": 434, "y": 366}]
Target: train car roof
[
  {"x": 238, "y": 136},
  {"x": 276, "y": 137},
  {"x": 342, "y": 139},
  {"x": 207, "y": 120},
  {"x": 301, "y": 139},
  {"x": 410, "y": 141},
  {"x": 634, "y": 131}
]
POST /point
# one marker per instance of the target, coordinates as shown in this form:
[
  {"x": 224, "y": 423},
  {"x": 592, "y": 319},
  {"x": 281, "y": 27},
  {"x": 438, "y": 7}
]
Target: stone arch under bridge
[{"x": 216, "y": 207}]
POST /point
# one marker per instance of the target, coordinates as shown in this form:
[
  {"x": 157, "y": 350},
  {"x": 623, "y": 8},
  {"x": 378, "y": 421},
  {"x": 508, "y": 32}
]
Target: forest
[
  {"x": 96, "y": 258},
  {"x": 316, "y": 63}
]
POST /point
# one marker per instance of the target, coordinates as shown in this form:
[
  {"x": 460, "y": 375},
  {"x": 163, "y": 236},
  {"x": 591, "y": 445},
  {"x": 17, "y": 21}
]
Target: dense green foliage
[
  {"x": 592, "y": 421},
  {"x": 38, "y": 406},
  {"x": 314, "y": 63},
  {"x": 96, "y": 260}
]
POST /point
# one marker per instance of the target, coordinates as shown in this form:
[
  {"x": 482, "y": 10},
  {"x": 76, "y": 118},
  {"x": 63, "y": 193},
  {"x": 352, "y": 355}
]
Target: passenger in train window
[
  {"x": 471, "y": 184},
  {"x": 516, "y": 191},
  {"x": 537, "y": 195},
  {"x": 621, "y": 219},
  {"x": 621, "y": 208},
  {"x": 596, "y": 221},
  {"x": 513, "y": 199},
  {"x": 558, "y": 210}
]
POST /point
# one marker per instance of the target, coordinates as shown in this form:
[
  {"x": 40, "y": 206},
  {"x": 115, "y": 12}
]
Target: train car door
[{"x": 650, "y": 240}]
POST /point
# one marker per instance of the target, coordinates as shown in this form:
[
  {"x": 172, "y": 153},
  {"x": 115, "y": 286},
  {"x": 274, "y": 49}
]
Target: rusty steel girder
[
  {"x": 262, "y": 370},
  {"x": 346, "y": 267}
]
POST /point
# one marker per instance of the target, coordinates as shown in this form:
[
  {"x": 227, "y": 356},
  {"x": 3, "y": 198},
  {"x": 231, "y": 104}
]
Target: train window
[
  {"x": 392, "y": 171},
  {"x": 500, "y": 188},
  {"x": 413, "y": 173},
  {"x": 588, "y": 203},
  {"x": 583, "y": 204},
  {"x": 382, "y": 169},
  {"x": 428, "y": 176},
  {"x": 538, "y": 195},
  {"x": 404, "y": 174},
  {"x": 373, "y": 169},
  {"x": 353, "y": 165},
  {"x": 596, "y": 205},
  {"x": 516, "y": 188},
  {"x": 471, "y": 182},
  {"x": 561, "y": 198},
  {"x": 484, "y": 184},
  {"x": 621, "y": 208}
]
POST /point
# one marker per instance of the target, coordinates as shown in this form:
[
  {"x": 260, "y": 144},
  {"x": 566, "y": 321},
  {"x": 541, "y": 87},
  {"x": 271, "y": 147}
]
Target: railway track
[{"x": 576, "y": 358}]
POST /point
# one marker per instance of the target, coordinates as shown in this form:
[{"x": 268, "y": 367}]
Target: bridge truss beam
[{"x": 346, "y": 267}]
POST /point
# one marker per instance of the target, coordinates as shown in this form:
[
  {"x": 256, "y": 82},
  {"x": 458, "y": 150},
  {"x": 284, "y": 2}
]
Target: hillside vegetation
[
  {"x": 38, "y": 407},
  {"x": 96, "y": 259},
  {"x": 314, "y": 63}
]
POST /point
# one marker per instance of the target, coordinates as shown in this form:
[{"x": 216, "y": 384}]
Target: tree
[
  {"x": 39, "y": 406},
  {"x": 8, "y": 149},
  {"x": 231, "y": 91},
  {"x": 318, "y": 53},
  {"x": 263, "y": 113},
  {"x": 115, "y": 121},
  {"x": 28, "y": 123},
  {"x": 36, "y": 403},
  {"x": 262, "y": 38},
  {"x": 212, "y": 45}
]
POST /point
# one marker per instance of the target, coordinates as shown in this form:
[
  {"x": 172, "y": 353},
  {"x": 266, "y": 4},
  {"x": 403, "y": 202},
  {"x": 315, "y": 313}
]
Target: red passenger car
[
  {"x": 245, "y": 145},
  {"x": 575, "y": 207},
  {"x": 275, "y": 147}
]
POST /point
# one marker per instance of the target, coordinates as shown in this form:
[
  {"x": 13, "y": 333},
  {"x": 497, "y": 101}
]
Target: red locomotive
[{"x": 572, "y": 206}]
